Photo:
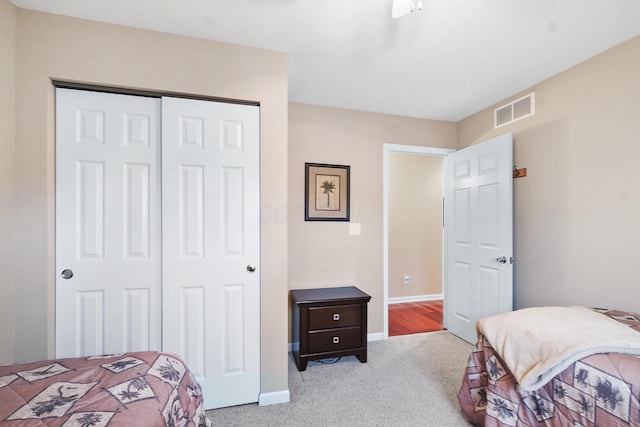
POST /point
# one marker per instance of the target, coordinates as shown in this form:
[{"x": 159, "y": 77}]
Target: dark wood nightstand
[{"x": 329, "y": 322}]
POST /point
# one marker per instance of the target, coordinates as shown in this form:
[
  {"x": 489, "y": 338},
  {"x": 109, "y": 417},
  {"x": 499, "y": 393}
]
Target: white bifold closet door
[{"x": 157, "y": 234}]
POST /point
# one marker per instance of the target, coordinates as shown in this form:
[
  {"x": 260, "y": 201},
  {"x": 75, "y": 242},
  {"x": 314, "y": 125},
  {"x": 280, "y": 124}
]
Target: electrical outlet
[{"x": 405, "y": 280}]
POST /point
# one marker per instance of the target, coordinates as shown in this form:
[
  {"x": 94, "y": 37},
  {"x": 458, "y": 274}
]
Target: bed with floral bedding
[
  {"x": 586, "y": 374},
  {"x": 129, "y": 389}
]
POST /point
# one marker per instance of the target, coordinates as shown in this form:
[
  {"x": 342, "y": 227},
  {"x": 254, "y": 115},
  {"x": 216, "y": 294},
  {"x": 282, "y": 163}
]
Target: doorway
[{"x": 396, "y": 282}]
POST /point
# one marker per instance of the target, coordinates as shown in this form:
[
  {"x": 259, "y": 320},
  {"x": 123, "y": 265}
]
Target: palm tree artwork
[{"x": 327, "y": 186}]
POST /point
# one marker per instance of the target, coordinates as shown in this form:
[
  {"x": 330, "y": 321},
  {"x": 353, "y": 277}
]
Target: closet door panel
[
  {"x": 211, "y": 229},
  {"x": 107, "y": 223}
]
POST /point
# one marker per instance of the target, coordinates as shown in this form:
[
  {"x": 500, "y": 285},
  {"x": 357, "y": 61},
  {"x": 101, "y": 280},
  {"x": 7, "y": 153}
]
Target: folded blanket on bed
[{"x": 540, "y": 342}]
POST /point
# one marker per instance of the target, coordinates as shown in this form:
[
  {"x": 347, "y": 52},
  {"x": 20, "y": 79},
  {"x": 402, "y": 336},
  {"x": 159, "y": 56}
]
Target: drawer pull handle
[
  {"x": 336, "y": 316},
  {"x": 336, "y": 340}
]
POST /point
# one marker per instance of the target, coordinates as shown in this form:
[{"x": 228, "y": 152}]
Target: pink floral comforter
[
  {"x": 130, "y": 389},
  {"x": 599, "y": 390}
]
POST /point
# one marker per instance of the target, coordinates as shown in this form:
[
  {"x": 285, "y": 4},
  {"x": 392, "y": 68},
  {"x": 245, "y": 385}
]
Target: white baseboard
[
  {"x": 378, "y": 336},
  {"x": 274, "y": 398},
  {"x": 415, "y": 298}
]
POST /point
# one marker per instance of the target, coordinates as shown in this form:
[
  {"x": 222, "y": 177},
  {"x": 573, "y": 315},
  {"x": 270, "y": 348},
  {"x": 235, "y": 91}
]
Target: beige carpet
[{"x": 408, "y": 380}]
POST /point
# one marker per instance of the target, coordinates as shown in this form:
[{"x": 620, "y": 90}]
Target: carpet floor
[{"x": 408, "y": 380}]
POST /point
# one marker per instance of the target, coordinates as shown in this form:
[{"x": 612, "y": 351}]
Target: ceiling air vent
[{"x": 516, "y": 110}]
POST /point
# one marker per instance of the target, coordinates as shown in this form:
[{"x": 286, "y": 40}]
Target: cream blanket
[{"x": 538, "y": 343}]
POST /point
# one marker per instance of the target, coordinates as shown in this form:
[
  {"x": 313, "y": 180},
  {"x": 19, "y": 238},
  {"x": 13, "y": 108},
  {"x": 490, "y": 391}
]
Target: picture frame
[{"x": 326, "y": 194}]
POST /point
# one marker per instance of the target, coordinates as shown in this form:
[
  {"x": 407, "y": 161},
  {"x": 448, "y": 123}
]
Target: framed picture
[{"x": 326, "y": 194}]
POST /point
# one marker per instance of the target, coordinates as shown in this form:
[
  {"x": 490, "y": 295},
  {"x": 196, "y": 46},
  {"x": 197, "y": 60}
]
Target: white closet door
[
  {"x": 107, "y": 223},
  {"x": 211, "y": 229}
]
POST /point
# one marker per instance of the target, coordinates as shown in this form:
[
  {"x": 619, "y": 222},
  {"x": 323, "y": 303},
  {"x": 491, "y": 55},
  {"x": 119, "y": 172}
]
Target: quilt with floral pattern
[
  {"x": 129, "y": 389},
  {"x": 598, "y": 390}
]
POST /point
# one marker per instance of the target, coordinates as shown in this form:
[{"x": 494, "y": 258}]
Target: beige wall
[
  {"x": 49, "y": 46},
  {"x": 323, "y": 253},
  {"x": 415, "y": 224},
  {"x": 577, "y": 213},
  {"x": 7, "y": 218}
]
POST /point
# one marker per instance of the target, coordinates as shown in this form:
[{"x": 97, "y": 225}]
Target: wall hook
[{"x": 519, "y": 173}]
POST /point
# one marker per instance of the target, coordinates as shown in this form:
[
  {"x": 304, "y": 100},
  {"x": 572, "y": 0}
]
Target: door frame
[{"x": 418, "y": 150}]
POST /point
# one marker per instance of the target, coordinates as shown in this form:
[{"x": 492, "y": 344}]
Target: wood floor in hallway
[{"x": 415, "y": 317}]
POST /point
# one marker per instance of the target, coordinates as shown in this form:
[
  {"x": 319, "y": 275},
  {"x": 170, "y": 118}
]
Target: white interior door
[
  {"x": 107, "y": 223},
  {"x": 478, "y": 234},
  {"x": 211, "y": 229}
]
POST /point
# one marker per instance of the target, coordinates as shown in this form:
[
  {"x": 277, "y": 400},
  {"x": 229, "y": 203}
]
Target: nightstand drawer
[
  {"x": 338, "y": 316},
  {"x": 337, "y": 339}
]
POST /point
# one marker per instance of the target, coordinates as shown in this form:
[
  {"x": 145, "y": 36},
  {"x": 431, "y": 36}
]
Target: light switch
[{"x": 354, "y": 228}]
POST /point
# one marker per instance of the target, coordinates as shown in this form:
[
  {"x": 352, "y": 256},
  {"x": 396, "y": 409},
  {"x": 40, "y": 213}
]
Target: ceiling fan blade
[{"x": 401, "y": 8}]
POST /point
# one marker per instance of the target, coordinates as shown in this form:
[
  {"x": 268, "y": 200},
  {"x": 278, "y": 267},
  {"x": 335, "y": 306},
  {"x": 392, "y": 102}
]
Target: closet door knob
[
  {"x": 251, "y": 268},
  {"x": 66, "y": 274}
]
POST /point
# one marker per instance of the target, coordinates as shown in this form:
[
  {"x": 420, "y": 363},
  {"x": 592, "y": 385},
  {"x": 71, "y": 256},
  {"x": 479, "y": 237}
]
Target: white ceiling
[{"x": 450, "y": 60}]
